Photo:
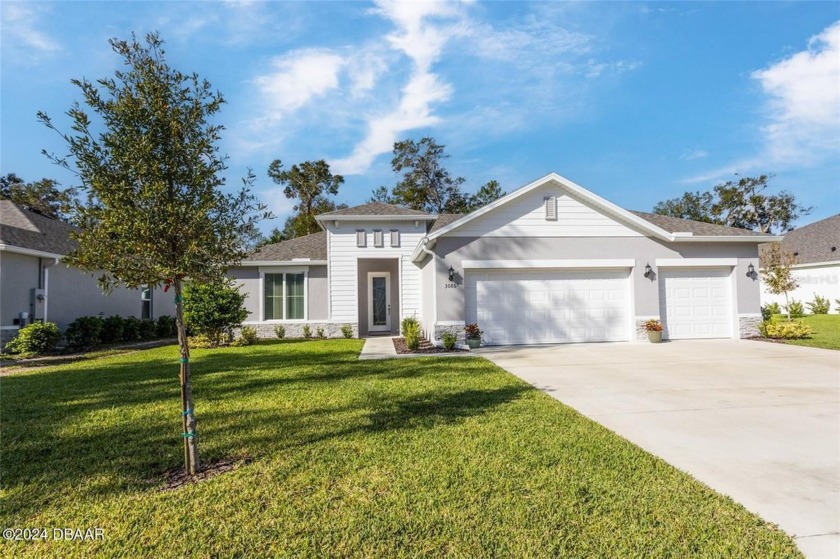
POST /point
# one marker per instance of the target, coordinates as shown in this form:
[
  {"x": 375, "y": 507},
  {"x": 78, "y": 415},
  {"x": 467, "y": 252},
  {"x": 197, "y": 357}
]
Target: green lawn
[
  {"x": 399, "y": 458},
  {"x": 826, "y": 329}
]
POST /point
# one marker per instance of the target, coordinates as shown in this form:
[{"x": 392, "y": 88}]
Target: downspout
[
  {"x": 47, "y": 286},
  {"x": 423, "y": 243}
]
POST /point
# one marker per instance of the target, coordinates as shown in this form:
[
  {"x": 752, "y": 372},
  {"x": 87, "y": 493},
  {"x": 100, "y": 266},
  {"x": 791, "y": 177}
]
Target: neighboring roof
[
  {"x": 443, "y": 220},
  {"x": 30, "y": 230},
  {"x": 678, "y": 225},
  {"x": 812, "y": 243},
  {"x": 378, "y": 209},
  {"x": 312, "y": 246}
]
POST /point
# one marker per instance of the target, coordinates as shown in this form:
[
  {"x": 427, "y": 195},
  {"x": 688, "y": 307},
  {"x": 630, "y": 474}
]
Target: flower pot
[
  {"x": 474, "y": 343},
  {"x": 655, "y": 336}
]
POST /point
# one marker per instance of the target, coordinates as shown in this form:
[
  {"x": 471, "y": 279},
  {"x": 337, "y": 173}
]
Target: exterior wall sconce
[
  {"x": 648, "y": 271},
  {"x": 451, "y": 273},
  {"x": 751, "y": 271}
]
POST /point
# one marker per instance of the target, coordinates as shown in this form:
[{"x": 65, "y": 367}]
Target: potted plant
[
  {"x": 654, "y": 330},
  {"x": 473, "y": 335}
]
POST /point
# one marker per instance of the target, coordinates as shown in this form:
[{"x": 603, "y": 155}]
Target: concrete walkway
[
  {"x": 378, "y": 347},
  {"x": 757, "y": 421}
]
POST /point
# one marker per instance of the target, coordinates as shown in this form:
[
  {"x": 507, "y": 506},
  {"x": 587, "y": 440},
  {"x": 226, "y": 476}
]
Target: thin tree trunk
[
  {"x": 787, "y": 305},
  {"x": 187, "y": 411}
]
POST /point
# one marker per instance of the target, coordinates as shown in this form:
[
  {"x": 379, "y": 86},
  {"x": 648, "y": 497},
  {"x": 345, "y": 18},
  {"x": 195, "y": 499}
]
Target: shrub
[
  {"x": 449, "y": 339},
  {"x": 131, "y": 329},
  {"x": 783, "y": 329},
  {"x": 770, "y": 309},
  {"x": 795, "y": 308},
  {"x": 411, "y": 333},
  {"x": 280, "y": 331},
  {"x": 35, "y": 339},
  {"x": 85, "y": 332},
  {"x": 166, "y": 327},
  {"x": 213, "y": 308},
  {"x": 112, "y": 329},
  {"x": 307, "y": 331},
  {"x": 347, "y": 331},
  {"x": 472, "y": 332},
  {"x": 319, "y": 333},
  {"x": 202, "y": 341},
  {"x": 820, "y": 305},
  {"x": 148, "y": 329},
  {"x": 249, "y": 333},
  {"x": 653, "y": 325},
  {"x": 408, "y": 322}
]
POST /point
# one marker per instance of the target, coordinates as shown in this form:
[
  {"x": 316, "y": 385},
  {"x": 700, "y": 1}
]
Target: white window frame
[
  {"x": 361, "y": 238},
  {"x": 378, "y": 238},
  {"x": 395, "y": 238},
  {"x": 550, "y": 203},
  {"x": 285, "y": 270}
]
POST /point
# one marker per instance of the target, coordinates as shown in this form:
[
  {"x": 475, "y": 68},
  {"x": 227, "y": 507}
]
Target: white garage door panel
[
  {"x": 696, "y": 303},
  {"x": 549, "y": 307}
]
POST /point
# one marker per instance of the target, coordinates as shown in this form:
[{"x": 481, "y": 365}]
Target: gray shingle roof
[
  {"x": 23, "y": 228},
  {"x": 443, "y": 220},
  {"x": 675, "y": 225},
  {"x": 374, "y": 208},
  {"x": 312, "y": 246},
  {"x": 812, "y": 243}
]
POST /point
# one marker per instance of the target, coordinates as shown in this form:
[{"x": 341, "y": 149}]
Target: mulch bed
[
  {"x": 425, "y": 347},
  {"x": 178, "y": 478}
]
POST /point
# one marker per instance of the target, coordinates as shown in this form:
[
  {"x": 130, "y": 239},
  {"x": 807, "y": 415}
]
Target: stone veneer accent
[
  {"x": 748, "y": 326},
  {"x": 295, "y": 329},
  {"x": 457, "y": 329}
]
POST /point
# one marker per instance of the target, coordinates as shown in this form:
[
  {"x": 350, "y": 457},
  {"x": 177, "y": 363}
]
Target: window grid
[
  {"x": 395, "y": 238},
  {"x": 361, "y": 238},
  {"x": 378, "y": 240}
]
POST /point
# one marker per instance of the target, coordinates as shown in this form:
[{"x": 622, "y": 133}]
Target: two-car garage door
[{"x": 533, "y": 307}]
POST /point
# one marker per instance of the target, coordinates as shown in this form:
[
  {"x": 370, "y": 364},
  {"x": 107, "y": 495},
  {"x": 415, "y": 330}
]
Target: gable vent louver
[{"x": 550, "y": 208}]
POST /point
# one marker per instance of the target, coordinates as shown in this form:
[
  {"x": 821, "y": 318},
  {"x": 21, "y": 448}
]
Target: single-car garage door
[
  {"x": 695, "y": 303},
  {"x": 540, "y": 307}
]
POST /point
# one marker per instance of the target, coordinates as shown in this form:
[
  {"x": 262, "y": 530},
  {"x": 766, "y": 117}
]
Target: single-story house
[
  {"x": 550, "y": 262},
  {"x": 36, "y": 286},
  {"x": 816, "y": 248}
]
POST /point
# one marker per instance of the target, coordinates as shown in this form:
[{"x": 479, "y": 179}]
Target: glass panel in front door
[{"x": 380, "y": 302}]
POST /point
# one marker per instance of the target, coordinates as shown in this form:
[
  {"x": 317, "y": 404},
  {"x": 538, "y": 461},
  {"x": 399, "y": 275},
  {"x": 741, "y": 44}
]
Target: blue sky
[{"x": 636, "y": 101}]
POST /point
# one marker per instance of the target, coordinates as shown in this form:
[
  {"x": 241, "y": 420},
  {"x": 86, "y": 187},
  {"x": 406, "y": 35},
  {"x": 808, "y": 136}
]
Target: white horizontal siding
[
  {"x": 525, "y": 217},
  {"x": 343, "y": 256}
]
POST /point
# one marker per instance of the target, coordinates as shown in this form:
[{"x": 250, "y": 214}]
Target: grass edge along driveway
[{"x": 410, "y": 457}]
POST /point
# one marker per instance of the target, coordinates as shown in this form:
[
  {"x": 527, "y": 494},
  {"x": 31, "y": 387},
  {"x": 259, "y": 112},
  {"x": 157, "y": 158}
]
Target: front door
[{"x": 379, "y": 302}]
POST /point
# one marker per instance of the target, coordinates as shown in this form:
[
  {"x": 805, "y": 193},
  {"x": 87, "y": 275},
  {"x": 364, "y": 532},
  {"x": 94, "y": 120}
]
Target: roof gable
[
  {"x": 374, "y": 209},
  {"x": 29, "y": 230},
  {"x": 812, "y": 244}
]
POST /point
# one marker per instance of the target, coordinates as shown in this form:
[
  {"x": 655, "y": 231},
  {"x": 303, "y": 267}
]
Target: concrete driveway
[{"x": 757, "y": 421}]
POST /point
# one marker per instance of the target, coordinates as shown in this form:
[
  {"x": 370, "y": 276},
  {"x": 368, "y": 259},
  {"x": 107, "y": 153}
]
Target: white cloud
[
  {"x": 804, "y": 101},
  {"x": 693, "y": 154},
  {"x": 296, "y": 79},
  {"x": 22, "y": 37}
]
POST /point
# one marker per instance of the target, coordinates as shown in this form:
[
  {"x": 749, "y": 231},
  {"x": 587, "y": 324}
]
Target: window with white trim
[
  {"x": 361, "y": 238},
  {"x": 378, "y": 240},
  {"x": 284, "y": 296},
  {"x": 395, "y": 238},
  {"x": 146, "y": 302}
]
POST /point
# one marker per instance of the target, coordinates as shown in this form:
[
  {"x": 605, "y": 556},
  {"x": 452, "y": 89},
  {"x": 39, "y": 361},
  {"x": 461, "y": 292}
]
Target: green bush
[
  {"x": 408, "y": 322},
  {"x": 347, "y": 331},
  {"x": 820, "y": 305},
  {"x": 166, "y": 327},
  {"x": 449, "y": 339},
  {"x": 307, "y": 331},
  {"x": 249, "y": 333},
  {"x": 213, "y": 308},
  {"x": 131, "y": 329},
  {"x": 35, "y": 339},
  {"x": 280, "y": 331},
  {"x": 795, "y": 308},
  {"x": 784, "y": 330},
  {"x": 148, "y": 329},
  {"x": 85, "y": 332},
  {"x": 202, "y": 341},
  {"x": 411, "y": 332},
  {"x": 768, "y": 310},
  {"x": 112, "y": 329},
  {"x": 319, "y": 333}
]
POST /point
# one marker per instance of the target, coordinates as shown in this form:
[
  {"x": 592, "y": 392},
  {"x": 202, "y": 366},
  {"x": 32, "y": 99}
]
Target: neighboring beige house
[
  {"x": 816, "y": 248},
  {"x": 549, "y": 263},
  {"x": 36, "y": 286}
]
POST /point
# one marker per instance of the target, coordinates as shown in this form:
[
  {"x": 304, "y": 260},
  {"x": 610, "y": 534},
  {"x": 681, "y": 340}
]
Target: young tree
[
  {"x": 777, "y": 272},
  {"x": 312, "y": 184},
  {"x": 152, "y": 171},
  {"x": 44, "y": 196},
  {"x": 426, "y": 185},
  {"x": 738, "y": 204}
]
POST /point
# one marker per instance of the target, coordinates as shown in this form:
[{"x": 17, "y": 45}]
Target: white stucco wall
[{"x": 824, "y": 280}]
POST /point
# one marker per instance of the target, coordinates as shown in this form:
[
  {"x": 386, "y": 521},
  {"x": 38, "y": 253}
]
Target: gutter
[
  {"x": 29, "y": 252},
  {"x": 46, "y": 268}
]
